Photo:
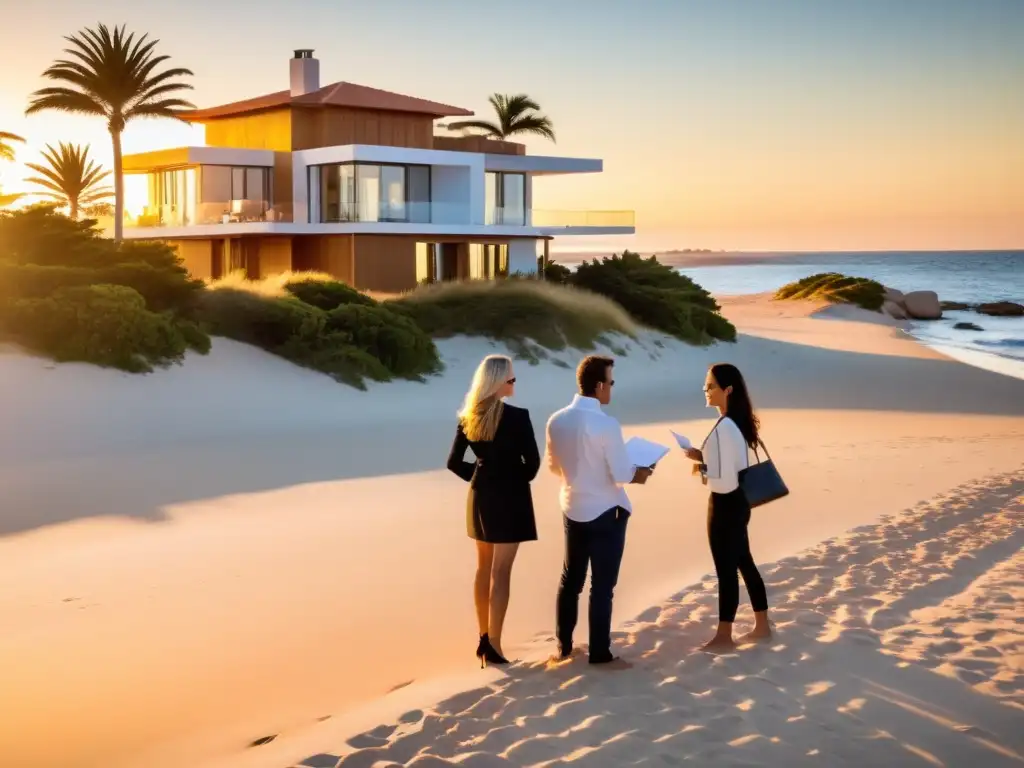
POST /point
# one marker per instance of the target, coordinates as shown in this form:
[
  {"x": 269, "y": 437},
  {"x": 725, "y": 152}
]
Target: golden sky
[{"x": 731, "y": 125}]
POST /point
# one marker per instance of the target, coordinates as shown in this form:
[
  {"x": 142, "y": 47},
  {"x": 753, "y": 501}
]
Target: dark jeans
[
  {"x": 598, "y": 544},
  {"x": 728, "y": 517}
]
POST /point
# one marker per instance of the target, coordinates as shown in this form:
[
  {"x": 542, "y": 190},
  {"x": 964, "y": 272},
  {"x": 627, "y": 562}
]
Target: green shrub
[
  {"x": 393, "y": 339},
  {"x": 106, "y": 325},
  {"x": 326, "y": 294},
  {"x": 551, "y": 315},
  {"x": 42, "y": 251},
  {"x": 657, "y": 296},
  {"x": 556, "y": 273},
  {"x": 162, "y": 289},
  {"x": 836, "y": 288},
  {"x": 350, "y": 343},
  {"x": 266, "y": 322}
]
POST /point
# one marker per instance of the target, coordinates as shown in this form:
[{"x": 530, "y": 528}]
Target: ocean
[{"x": 969, "y": 277}]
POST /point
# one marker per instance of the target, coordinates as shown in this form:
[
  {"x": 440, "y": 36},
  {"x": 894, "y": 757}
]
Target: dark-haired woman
[{"x": 724, "y": 454}]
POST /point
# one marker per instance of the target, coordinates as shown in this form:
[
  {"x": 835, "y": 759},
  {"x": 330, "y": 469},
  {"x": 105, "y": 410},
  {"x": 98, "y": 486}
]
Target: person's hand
[
  {"x": 694, "y": 454},
  {"x": 641, "y": 474}
]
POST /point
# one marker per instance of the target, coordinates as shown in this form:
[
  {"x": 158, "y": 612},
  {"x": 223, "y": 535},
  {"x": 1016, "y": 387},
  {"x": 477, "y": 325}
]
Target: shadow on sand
[
  {"x": 145, "y": 475},
  {"x": 832, "y": 687}
]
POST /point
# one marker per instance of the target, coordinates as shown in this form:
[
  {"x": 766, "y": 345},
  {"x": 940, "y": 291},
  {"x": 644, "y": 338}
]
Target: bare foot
[
  {"x": 756, "y": 635},
  {"x": 718, "y": 644},
  {"x": 558, "y": 659}
]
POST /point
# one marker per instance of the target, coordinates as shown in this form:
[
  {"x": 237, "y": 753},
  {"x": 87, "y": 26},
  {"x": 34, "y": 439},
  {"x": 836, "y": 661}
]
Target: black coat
[{"x": 499, "y": 509}]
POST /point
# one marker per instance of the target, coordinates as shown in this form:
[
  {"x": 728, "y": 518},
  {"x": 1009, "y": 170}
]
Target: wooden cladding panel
[
  {"x": 196, "y": 256},
  {"x": 338, "y": 126},
  {"x": 385, "y": 264},
  {"x": 275, "y": 255},
  {"x": 261, "y": 130}
]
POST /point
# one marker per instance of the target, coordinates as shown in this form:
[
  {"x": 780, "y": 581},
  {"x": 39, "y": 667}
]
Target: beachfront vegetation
[
  {"x": 70, "y": 178},
  {"x": 113, "y": 75},
  {"x": 654, "y": 294},
  {"x": 515, "y": 310},
  {"x": 837, "y": 289},
  {"x": 72, "y": 295},
  {"x": 6, "y": 150},
  {"x": 319, "y": 323},
  {"x": 516, "y": 115}
]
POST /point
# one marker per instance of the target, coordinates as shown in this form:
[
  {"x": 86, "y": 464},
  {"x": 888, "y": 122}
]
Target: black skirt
[{"x": 500, "y": 514}]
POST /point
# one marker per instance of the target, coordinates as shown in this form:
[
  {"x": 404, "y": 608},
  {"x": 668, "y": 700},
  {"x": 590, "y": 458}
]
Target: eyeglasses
[{"x": 511, "y": 381}]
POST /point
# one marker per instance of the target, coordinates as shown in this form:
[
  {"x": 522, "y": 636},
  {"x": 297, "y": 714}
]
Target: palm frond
[
  {"x": 6, "y": 200},
  {"x": 70, "y": 176},
  {"x": 488, "y": 128},
  {"x": 6, "y": 150},
  {"x": 118, "y": 75},
  {"x": 517, "y": 114}
]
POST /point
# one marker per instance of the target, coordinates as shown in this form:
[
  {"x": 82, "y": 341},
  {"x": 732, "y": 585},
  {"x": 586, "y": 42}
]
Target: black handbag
[{"x": 761, "y": 482}]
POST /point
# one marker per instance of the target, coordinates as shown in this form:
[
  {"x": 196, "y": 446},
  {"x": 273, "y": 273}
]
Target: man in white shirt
[{"x": 586, "y": 450}]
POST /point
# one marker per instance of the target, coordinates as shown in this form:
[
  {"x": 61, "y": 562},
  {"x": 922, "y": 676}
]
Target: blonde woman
[{"x": 499, "y": 510}]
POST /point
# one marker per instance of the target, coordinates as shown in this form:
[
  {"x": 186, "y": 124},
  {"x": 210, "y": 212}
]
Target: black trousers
[
  {"x": 599, "y": 544},
  {"x": 728, "y": 517}
]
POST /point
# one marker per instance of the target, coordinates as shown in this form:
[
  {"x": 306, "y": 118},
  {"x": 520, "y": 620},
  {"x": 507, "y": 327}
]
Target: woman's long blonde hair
[{"x": 481, "y": 410}]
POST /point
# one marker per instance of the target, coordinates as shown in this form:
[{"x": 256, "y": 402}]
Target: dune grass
[
  {"x": 836, "y": 289},
  {"x": 654, "y": 294},
  {"x": 319, "y": 323},
  {"x": 71, "y": 294},
  {"x": 553, "y": 316}
]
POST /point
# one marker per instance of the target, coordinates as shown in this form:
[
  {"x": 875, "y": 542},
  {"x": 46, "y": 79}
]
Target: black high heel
[{"x": 486, "y": 653}]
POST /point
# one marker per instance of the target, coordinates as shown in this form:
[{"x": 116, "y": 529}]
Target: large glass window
[
  {"x": 418, "y": 190},
  {"x": 392, "y": 193},
  {"x": 513, "y": 198},
  {"x": 172, "y": 197},
  {"x": 505, "y": 198},
  {"x": 370, "y": 192},
  {"x": 235, "y": 192}
]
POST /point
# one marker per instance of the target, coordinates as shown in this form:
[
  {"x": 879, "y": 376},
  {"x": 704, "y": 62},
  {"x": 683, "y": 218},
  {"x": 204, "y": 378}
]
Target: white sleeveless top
[{"x": 725, "y": 455}]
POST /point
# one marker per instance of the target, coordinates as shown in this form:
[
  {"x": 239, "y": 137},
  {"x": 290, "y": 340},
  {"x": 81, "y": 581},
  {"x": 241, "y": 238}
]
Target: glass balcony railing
[
  {"x": 412, "y": 212},
  {"x": 230, "y": 212},
  {"x": 542, "y": 218}
]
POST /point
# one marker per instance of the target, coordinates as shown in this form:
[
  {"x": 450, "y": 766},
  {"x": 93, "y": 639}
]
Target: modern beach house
[{"x": 352, "y": 181}]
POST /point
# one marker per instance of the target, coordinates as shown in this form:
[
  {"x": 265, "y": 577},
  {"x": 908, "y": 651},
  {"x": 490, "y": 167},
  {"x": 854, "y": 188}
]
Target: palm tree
[
  {"x": 6, "y": 200},
  {"x": 113, "y": 75},
  {"x": 70, "y": 177},
  {"x": 516, "y": 114},
  {"x": 6, "y": 150}
]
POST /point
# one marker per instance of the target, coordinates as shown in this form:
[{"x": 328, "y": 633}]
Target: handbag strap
[{"x": 760, "y": 442}]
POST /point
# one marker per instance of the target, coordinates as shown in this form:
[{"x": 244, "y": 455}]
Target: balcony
[
  {"x": 570, "y": 219},
  {"x": 230, "y": 212}
]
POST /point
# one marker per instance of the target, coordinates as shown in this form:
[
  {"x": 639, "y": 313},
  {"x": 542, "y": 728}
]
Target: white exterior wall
[
  {"x": 458, "y": 184},
  {"x": 522, "y": 256}
]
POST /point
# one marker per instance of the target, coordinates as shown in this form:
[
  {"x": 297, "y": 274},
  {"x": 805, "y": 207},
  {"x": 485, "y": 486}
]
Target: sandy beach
[{"x": 236, "y": 549}]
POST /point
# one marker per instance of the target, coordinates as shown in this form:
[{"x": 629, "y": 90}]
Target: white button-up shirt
[
  {"x": 585, "y": 448},
  {"x": 725, "y": 456}
]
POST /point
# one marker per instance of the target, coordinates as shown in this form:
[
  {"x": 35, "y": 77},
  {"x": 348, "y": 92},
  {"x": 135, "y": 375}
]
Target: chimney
[{"x": 305, "y": 72}]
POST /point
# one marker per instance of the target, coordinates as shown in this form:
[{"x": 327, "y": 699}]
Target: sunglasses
[{"x": 511, "y": 381}]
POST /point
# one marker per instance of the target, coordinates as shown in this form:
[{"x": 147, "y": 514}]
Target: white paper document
[
  {"x": 644, "y": 453},
  {"x": 684, "y": 442}
]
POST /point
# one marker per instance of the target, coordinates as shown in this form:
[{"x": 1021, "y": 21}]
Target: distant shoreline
[{"x": 725, "y": 258}]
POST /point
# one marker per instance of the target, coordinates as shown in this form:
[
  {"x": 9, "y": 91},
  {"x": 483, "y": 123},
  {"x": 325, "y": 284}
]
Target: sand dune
[
  {"x": 858, "y": 619},
  {"x": 235, "y": 549}
]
